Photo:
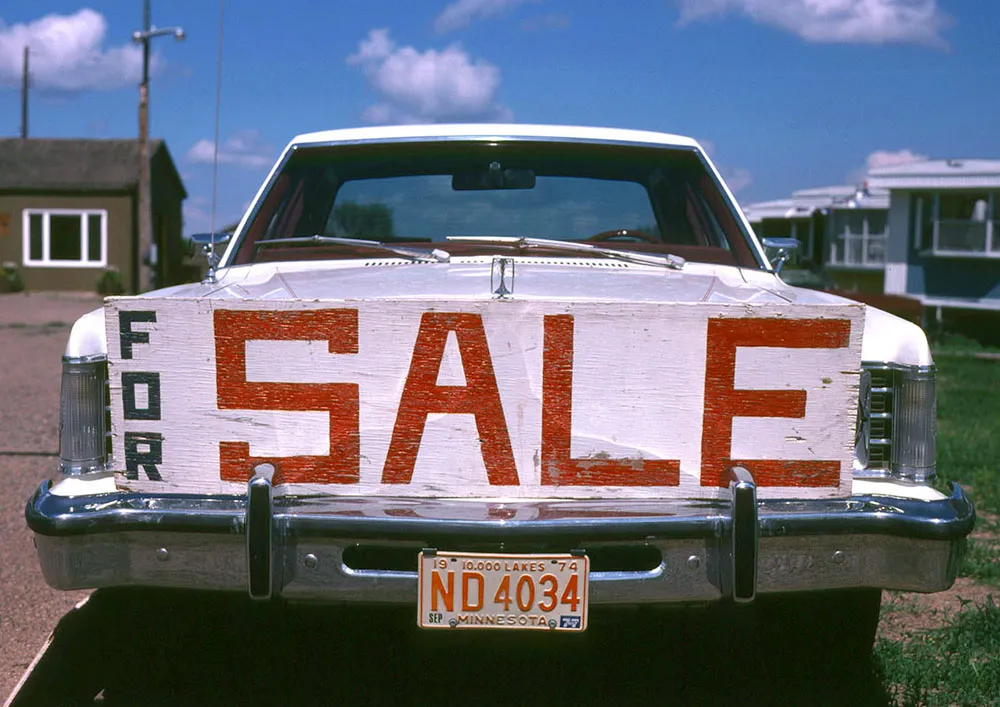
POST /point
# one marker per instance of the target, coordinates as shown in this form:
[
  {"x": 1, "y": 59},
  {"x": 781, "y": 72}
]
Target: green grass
[
  {"x": 957, "y": 344},
  {"x": 955, "y": 665},
  {"x": 982, "y": 562},
  {"x": 959, "y": 664},
  {"x": 968, "y": 391}
]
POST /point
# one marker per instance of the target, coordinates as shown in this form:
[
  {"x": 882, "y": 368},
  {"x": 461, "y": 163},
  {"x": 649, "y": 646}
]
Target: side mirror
[
  {"x": 782, "y": 246},
  {"x": 202, "y": 241}
]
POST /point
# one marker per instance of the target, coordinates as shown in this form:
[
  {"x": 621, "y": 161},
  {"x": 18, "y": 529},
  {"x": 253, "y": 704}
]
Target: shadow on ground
[{"x": 158, "y": 648}]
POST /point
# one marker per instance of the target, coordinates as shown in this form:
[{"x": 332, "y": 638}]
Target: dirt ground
[
  {"x": 905, "y": 612},
  {"x": 33, "y": 332}
]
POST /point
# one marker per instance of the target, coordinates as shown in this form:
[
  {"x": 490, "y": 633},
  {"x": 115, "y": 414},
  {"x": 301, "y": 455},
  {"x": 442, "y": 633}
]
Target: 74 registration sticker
[{"x": 480, "y": 590}]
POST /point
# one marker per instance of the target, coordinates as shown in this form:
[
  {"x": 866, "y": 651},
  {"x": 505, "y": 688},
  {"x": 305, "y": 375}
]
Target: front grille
[
  {"x": 882, "y": 410},
  {"x": 108, "y": 445}
]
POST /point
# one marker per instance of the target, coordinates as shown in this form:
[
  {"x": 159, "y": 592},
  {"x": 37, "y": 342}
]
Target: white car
[{"x": 508, "y": 375}]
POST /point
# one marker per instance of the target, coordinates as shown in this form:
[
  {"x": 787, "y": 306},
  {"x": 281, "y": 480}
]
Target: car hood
[
  {"x": 887, "y": 338},
  {"x": 526, "y": 278}
]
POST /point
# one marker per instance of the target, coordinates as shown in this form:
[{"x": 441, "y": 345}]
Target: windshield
[{"x": 420, "y": 195}]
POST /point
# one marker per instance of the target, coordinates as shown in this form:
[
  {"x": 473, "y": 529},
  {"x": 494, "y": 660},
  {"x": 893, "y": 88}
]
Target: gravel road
[{"x": 33, "y": 333}]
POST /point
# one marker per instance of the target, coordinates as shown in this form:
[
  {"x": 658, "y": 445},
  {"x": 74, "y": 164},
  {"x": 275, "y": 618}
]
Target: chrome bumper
[{"x": 365, "y": 549}]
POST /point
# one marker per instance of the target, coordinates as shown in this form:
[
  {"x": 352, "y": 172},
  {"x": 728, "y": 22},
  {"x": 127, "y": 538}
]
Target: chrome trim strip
[
  {"x": 876, "y": 473},
  {"x": 89, "y": 358},
  {"x": 77, "y": 468},
  {"x": 172, "y": 540},
  {"x": 496, "y": 137},
  {"x": 915, "y": 474},
  {"x": 893, "y": 366}
]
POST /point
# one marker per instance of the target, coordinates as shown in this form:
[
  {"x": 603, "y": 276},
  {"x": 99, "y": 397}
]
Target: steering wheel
[{"x": 624, "y": 234}]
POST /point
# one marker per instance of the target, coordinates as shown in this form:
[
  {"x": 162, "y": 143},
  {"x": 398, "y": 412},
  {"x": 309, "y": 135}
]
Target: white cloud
[
  {"x": 835, "y": 21},
  {"x": 736, "y": 177},
  {"x": 882, "y": 158},
  {"x": 461, "y": 13},
  {"x": 244, "y": 148},
  {"x": 430, "y": 86},
  {"x": 67, "y": 53}
]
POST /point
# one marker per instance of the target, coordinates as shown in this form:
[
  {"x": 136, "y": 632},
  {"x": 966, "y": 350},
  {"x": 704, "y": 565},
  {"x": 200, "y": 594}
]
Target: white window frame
[
  {"x": 991, "y": 246},
  {"x": 46, "y": 261},
  {"x": 866, "y": 237}
]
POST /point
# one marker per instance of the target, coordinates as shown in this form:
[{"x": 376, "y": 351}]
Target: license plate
[{"x": 477, "y": 590}]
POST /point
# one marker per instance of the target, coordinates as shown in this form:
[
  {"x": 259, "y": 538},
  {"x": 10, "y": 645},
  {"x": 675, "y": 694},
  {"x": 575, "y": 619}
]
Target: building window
[
  {"x": 65, "y": 238},
  {"x": 958, "y": 224},
  {"x": 859, "y": 238}
]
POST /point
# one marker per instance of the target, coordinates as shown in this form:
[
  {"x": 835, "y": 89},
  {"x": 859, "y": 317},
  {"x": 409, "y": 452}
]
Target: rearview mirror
[{"x": 486, "y": 179}]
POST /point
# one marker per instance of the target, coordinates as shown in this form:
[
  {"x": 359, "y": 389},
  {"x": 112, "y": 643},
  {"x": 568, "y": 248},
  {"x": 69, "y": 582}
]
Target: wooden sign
[{"x": 493, "y": 399}]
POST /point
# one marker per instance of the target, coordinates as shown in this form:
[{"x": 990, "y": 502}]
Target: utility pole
[
  {"x": 147, "y": 249},
  {"x": 25, "y": 83}
]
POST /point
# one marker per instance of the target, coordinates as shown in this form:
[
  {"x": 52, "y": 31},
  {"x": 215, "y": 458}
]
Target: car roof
[{"x": 498, "y": 131}]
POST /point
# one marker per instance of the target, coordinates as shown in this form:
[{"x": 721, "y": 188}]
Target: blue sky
[{"x": 787, "y": 94}]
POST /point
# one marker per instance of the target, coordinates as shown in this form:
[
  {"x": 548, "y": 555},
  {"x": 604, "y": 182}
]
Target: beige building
[{"x": 68, "y": 212}]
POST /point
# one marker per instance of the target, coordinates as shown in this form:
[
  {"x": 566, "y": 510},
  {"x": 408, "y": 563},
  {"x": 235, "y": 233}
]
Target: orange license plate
[{"x": 479, "y": 590}]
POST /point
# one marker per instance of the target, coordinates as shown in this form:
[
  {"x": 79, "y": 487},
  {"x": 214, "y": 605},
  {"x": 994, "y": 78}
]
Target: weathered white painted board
[{"x": 495, "y": 399}]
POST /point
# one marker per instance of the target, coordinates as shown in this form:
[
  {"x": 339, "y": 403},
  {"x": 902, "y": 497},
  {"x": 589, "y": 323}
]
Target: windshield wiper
[
  {"x": 673, "y": 262},
  {"x": 434, "y": 255}
]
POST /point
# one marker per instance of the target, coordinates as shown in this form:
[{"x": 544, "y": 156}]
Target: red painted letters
[
  {"x": 233, "y": 328},
  {"x": 480, "y": 397},
  {"x": 558, "y": 468},
  {"x": 422, "y": 396},
  {"x": 723, "y": 402}
]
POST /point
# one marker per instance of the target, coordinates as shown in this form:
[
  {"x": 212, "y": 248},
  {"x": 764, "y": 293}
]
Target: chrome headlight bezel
[
  {"x": 897, "y": 422},
  {"x": 84, "y": 420}
]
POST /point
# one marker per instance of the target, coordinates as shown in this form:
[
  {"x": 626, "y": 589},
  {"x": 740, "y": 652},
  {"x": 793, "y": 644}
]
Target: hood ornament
[{"x": 502, "y": 278}]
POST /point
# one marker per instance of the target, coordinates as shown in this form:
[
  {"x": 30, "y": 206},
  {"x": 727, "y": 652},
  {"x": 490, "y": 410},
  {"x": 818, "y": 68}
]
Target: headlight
[
  {"x": 897, "y": 422},
  {"x": 83, "y": 415},
  {"x": 915, "y": 438}
]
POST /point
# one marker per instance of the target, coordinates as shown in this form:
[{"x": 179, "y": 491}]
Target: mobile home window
[{"x": 65, "y": 238}]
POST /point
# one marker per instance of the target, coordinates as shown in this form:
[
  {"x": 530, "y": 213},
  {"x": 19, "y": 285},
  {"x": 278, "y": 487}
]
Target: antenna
[{"x": 213, "y": 259}]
